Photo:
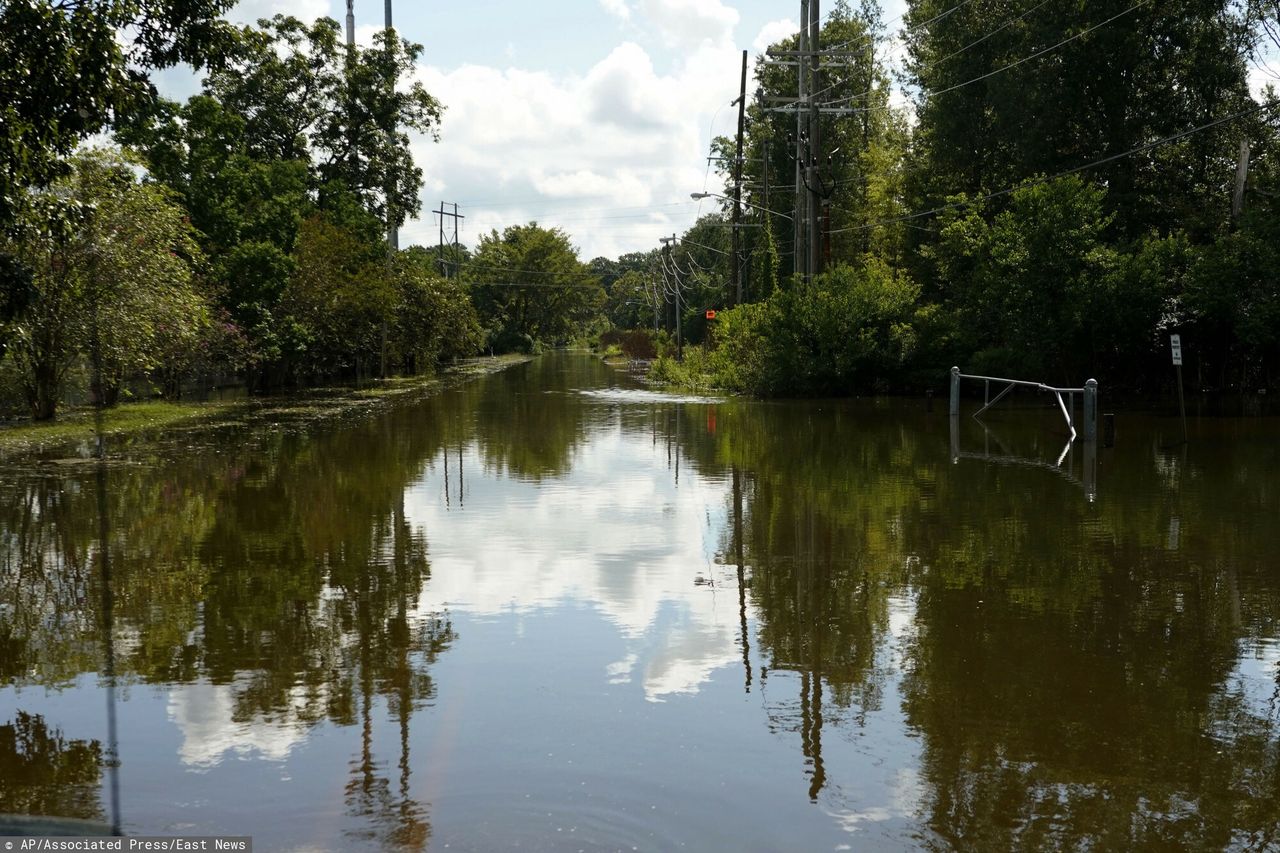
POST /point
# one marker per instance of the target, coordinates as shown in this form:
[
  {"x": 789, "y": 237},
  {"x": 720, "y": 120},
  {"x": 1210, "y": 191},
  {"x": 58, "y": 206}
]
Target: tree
[
  {"x": 1143, "y": 72},
  {"x": 109, "y": 260},
  {"x": 1031, "y": 284},
  {"x": 336, "y": 301},
  {"x": 306, "y": 96},
  {"x": 246, "y": 207},
  {"x": 435, "y": 319},
  {"x": 532, "y": 289},
  {"x": 70, "y": 68}
]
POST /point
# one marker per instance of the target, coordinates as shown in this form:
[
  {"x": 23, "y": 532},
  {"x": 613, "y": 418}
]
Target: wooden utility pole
[
  {"x": 815, "y": 144},
  {"x": 798, "y": 251},
  {"x": 735, "y": 262},
  {"x": 1242, "y": 177}
]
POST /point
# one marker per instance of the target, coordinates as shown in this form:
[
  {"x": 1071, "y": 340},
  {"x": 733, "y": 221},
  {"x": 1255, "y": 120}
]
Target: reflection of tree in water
[
  {"x": 1071, "y": 670},
  {"x": 388, "y": 637},
  {"x": 283, "y": 568},
  {"x": 530, "y": 420},
  {"x": 1071, "y": 666},
  {"x": 43, "y": 773}
]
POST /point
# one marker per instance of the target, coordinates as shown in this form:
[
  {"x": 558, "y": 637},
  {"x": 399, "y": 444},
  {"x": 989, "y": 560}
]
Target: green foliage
[
  {"x": 338, "y": 298},
  {"x": 305, "y": 96},
  {"x": 632, "y": 343},
  {"x": 530, "y": 287},
  {"x": 70, "y": 68},
  {"x": 1028, "y": 283},
  {"x": 1232, "y": 303},
  {"x": 435, "y": 320},
  {"x": 849, "y": 331},
  {"x": 109, "y": 261}
]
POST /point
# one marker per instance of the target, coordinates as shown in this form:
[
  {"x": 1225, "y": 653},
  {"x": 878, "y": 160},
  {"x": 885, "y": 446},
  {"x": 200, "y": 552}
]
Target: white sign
[{"x": 1175, "y": 341}]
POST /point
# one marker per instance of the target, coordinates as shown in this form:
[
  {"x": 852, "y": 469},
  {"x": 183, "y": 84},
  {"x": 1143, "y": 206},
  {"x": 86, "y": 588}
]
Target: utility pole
[
  {"x": 814, "y": 265},
  {"x": 351, "y": 24},
  {"x": 735, "y": 262},
  {"x": 453, "y": 245},
  {"x": 668, "y": 242},
  {"x": 802, "y": 54},
  {"x": 393, "y": 233},
  {"x": 1242, "y": 177}
]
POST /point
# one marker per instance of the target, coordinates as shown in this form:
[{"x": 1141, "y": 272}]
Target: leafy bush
[{"x": 849, "y": 330}]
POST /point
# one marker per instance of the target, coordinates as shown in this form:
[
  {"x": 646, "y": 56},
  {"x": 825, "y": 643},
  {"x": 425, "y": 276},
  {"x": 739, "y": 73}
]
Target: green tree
[
  {"x": 109, "y": 260},
  {"x": 435, "y": 319},
  {"x": 306, "y": 96},
  {"x": 530, "y": 287},
  {"x": 70, "y": 68},
  {"x": 1025, "y": 284},
  {"x": 336, "y": 301},
  {"x": 1148, "y": 71},
  {"x": 245, "y": 206}
]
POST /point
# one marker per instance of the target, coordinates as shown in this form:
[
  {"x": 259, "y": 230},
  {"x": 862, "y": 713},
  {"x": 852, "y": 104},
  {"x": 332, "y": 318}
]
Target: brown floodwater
[{"x": 551, "y": 609}]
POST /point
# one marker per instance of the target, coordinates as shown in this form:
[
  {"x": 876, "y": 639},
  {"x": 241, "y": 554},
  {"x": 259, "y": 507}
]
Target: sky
[{"x": 594, "y": 116}]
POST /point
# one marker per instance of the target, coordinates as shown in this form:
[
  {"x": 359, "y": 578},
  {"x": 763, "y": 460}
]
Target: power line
[
  {"x": 1138, "y": 150},
  {"x": 1040, "y": 53},
  {"x": 993, "y": 72},
  {"x": 936, "y": 62}
]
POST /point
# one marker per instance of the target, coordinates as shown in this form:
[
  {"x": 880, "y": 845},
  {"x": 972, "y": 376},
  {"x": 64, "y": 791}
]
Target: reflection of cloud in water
[
  {"x": 1256, "y": 679},
  {"x": 616, "y": 534},
  {"x": 205, "y": 715}
]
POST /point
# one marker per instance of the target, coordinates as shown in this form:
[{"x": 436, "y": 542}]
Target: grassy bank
[{"x": 75, "y": 431}]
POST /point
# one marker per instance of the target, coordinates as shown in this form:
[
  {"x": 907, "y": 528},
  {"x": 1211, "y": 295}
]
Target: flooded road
[{"x": 553, "y": 610}]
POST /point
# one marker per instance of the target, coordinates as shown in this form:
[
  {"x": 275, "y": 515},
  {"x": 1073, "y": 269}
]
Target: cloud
[
  {"x": 617, "y": 8},
  {"x": 609, "y": 155},
  {"x": 631, "y": 555},
  {"x": 249, "y": 11},
  {"x": 690, "y": 23},
  {"x": 774, "y": 32}
]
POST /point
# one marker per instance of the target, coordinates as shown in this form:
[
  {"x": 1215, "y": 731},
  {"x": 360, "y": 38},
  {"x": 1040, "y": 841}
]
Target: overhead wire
[{"x": 1044, "y": 180}]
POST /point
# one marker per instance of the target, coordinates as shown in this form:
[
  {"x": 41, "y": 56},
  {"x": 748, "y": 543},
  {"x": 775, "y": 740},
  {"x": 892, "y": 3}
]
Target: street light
[{"x": 701, "y": 196}]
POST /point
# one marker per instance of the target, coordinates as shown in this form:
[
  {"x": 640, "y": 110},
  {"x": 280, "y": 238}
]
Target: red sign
[{"x": 711, "y": 315}]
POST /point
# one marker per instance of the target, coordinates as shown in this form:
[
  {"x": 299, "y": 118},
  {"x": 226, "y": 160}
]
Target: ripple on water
[{"x": 644, "y": 395}]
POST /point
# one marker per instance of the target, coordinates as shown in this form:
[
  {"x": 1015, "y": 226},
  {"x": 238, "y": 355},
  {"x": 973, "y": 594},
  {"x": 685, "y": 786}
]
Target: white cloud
[
  {"x": 610, "y": 155},
  {"x": 249, "y": 11},
  {"x": 617, "y": 8},
  {"x": 634, "y": 555},
  {"x": 774, "y": 32},
  {"x": 205, "y": 714},
  {"x": 690, "y": 23}
]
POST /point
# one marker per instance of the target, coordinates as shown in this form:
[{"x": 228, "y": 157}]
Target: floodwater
[{"x": 553, "y": 610}]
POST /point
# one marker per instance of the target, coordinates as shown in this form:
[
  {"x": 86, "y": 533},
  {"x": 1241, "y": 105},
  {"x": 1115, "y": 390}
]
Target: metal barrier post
[
  {"x": 955, "y": 391},
  {"x": 1091, "y": 410}
]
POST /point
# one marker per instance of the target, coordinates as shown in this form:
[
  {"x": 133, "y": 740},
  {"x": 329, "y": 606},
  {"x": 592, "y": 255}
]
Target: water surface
[{"x": 553, "y": 610}]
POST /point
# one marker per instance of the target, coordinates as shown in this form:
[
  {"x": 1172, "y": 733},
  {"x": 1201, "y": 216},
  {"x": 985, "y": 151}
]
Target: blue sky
[{"x": 591, "y": 115}]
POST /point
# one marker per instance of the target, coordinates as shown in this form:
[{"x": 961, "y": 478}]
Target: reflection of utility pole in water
[
  {"x": 446, "y": 477},
  {"x": 104, "y": 564},
  {"x": 677, "y": 445},
  {"x": 808, "y": 610},
  {"x": 742, "y": 573},
  {"x": 461, "y": 484}
]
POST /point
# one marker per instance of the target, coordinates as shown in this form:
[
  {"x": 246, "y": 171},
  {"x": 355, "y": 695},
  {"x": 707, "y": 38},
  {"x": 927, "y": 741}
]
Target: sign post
[{"x": 1175, "y": 343}]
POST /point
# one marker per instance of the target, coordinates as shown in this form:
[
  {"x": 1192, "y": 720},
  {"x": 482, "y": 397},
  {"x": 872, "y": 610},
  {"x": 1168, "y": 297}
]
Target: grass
[{"x": 78, "y": 427}]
